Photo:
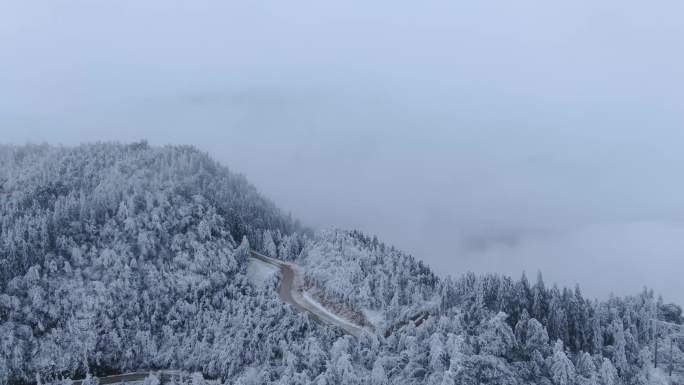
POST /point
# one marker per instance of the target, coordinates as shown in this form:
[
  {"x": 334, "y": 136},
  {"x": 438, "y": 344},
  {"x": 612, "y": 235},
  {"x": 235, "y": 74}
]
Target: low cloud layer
[{"x": 489, "y": 137}]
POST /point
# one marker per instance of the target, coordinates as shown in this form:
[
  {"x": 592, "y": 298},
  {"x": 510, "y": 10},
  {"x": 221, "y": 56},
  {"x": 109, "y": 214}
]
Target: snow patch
[
  {"x": 320, "y": 309},
  {"x": 375, "y": 317},
  {"x": 657, "y": 376},
  {"x": 259, "y": 272}
]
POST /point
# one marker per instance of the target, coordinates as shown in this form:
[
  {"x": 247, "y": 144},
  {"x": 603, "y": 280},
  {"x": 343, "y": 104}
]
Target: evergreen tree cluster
[
  {"x": 116, "y": 258},
  {"x": 508, "y": 330},
  {"x": 120, "y": 257}
]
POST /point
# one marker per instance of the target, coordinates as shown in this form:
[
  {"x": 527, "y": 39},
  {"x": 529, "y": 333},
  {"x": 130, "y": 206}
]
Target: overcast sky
[{"x": 485, "y": 135}]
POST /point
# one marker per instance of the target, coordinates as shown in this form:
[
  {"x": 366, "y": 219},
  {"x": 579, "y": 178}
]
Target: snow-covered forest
[{"x": 116, "y": 258}]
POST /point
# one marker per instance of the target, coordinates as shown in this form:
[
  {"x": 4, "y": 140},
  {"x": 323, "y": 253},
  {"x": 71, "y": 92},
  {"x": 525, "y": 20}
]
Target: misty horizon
[{"x": 527, "y": 137}]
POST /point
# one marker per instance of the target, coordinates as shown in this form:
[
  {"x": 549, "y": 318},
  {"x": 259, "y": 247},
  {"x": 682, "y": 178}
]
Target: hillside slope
[{"x": 124, "y": 257}]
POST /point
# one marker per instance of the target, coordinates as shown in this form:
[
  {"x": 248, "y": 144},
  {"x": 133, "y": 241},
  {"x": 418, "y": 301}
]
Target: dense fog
[{"x": 494, "y": 137}]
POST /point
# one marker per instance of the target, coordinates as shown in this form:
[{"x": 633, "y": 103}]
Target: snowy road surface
[
  {"x": 163, "y": 375},
  {"x": 290, "y": 291}
]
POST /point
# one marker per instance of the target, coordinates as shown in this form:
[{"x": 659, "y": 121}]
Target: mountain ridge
[{"x": 116, "y": 257}]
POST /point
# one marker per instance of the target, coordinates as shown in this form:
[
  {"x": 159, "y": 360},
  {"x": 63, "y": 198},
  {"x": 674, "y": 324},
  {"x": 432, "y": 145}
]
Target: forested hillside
[
  {"x": 56, "y": 199},
  {"x": 120, "y": 257},
  {"x": 491, "y": 328}
]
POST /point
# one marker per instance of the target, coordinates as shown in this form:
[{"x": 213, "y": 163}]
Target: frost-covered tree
[
  {"x": 539, "y": 298},
  {"x": 618, "y": 347},
  {"x": 269, "y": 245},
  {"x": 537, "y": 338},
  {"x": 562, "y": 370},
  {"x": 607, "y": 373},
  {"x": 497, "y": 338},
  {"x": 585, "y": 365},
  {"x": 378, "y": 375}
]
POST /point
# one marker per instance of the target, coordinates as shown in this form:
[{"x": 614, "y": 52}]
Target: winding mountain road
[{"x": 290, "y": 291}]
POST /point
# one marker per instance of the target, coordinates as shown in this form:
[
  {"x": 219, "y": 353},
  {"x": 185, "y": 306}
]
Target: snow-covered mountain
[{"x": 115, "y": 258}]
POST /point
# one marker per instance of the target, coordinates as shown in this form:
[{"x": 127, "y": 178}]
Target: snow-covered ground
[
  {"x": 259, "y": 271},
  {"x": 319, "y": 309},
  {"x": 658, "y": 376},
  {"x": 375, "y": 317}
]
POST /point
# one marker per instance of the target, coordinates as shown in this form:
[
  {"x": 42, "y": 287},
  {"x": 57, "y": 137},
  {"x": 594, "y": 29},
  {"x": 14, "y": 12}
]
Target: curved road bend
[{"x": 290, "y": 291}]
